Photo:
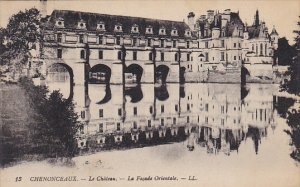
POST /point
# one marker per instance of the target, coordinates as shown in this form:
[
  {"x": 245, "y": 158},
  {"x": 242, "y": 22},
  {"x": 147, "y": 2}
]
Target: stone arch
[
  {"x": 71, "y": 74},
  {"x": 161, "y": 73},
  {"x": 100, "y": 74},
  {"x": 136, "y": 71},
  {"x": 244, "y": 73}
]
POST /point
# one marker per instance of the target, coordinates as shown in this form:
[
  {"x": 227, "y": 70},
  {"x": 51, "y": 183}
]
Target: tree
[
  {"x": 294, "y": 132},
  {"x": 285, "y": 52},
  {"x": 55, "y": 123},
  {"x": 293, "y": 84},
  {"x": 19, "y": 37}
]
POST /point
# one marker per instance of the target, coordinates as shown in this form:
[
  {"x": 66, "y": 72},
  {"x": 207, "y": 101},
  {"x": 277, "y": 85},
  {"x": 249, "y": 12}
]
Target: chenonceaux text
[{"x": 53, "y": 178}]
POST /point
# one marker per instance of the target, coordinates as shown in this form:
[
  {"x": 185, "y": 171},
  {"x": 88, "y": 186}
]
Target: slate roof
[
  {"x": 235, "y": 21},
  {"x": 71, "y": 19}
]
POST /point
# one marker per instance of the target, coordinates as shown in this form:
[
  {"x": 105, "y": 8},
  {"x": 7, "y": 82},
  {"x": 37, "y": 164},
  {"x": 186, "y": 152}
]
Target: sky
[{"x": 281, "y": 14}]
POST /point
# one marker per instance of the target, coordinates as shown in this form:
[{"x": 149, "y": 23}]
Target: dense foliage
[
  {"x": 48, "y": 130},
  {"x": 293, "y": 84}
]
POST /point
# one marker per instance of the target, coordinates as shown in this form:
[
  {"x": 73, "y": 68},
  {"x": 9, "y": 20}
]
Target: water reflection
[{"x": 211, "y": 117}]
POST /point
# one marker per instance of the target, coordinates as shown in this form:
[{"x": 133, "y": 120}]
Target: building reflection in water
[{"x": 215, "y": 117}]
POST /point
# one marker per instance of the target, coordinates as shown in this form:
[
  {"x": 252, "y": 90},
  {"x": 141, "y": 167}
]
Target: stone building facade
[{"x": 213, "y": 48}]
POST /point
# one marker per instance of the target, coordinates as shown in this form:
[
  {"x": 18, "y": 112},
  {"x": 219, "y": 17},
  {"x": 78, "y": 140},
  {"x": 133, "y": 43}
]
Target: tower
[
  {"x": 246, "y": 34},
  {"x": 256, "y": 19},
  {"x": 274, "y": 38}
]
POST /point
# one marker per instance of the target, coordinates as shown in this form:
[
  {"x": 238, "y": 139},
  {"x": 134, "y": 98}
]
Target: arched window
[
  {"x": 119, "y": 55},
  {"x": 266, "y": 46},
  {"x": 150, "y": 56},
  {"x": 82, "y": 54}
]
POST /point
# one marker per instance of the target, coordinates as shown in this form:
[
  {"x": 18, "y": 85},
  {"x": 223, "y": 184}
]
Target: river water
[{"x": 218, "y": 134}]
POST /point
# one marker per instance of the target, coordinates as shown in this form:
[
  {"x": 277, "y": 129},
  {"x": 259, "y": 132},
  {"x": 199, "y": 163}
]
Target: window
[
  {"x": 149, "y": 123},
  {"x": 100, "y": 113},
  {"x": 188, "y": 57},
  {"x": 256, "y": 49},
  {"x": 119, "y": 111},
  {"x": 261, "y": 49},
  {"x": 119, "y": 55},
  {"x": 81, "y": 38},
  {"x": 234, "y": 45},
  {"x": 59, "y": 37},
  {"x": 149, "y": 42},
  {"x": 239, "y": 45},
  {"x": 59, "y": 53},
  {"x": 176, "y": 108},
  {"x": 134, "y": 110},
  {"x": 266, "y": 49},
  {"x": 162, "y": 43},
  {"x": 174, "y": 43},
  {"x": 100, "y": 40},
  {"x": 222, "y": 121},
  {"x": 198, "y": 43},
  {"x": 100, "y": 54},
  {"x": 174, "y": 121},
  {"x": 134, "y": 55},
  {"x": 176, "y": 57},
  {"x": 206, "y": 119},
  {"x": 134, "y": 41},
  {"x": 206, "y": 107},
  {"x": 162, "y": 57},
  {"x": 150, "y": 56},
  {"x": 118, "y": 126},
  {"x": 162, "y": 122},
  {"x": 206, "y": 44},
  {"x": 162, "y": 108},
  {"x": 188, "y": 119},
  {"x": 118, "y": 40},
  {"x": 101, "y": 127},
  {"x": 188, "y": 107},
  {"x": 187, "y": 44},
  {"x": 234, "y": 57},
  {"x": 222, "y": 56},
  {"x": 151, "y": 109},
  {"x": 82, "y": 54},
  {"x": 222, "y": 43},
  {"x": 252, "y": 47},
  {"x": 134, "y": 125},
  {"x": 82, "y": 114},
  {"x": 222, "y": 109},
  {"x": 206, "y": 57}
]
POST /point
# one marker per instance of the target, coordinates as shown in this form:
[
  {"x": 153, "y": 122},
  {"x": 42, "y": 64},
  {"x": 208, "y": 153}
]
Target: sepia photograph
[{"x": 150, "y": 93}]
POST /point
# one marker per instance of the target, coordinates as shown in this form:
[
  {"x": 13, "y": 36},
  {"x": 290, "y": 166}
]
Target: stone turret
[{"x": 274, "y": 38}]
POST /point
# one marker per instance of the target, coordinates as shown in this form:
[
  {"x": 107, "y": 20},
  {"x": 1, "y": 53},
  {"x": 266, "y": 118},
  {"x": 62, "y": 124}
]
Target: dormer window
[
  {"x": 101, "y": 26},
  {"x": 135, "y": 28},
  {"x": 187, "y": 33},
  {"x": 174, "y": 32},
  {"x": 149, "y": 30},
  {"x": 60, "y": 23},
  {"x": 81, "y": 24},
  {"x": 118, "y": 28},
  {"x": 162, "y": 31}
]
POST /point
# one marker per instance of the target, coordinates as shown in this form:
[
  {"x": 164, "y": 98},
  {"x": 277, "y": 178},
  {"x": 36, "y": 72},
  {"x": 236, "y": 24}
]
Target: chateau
[{"x": 217, "y": 47}]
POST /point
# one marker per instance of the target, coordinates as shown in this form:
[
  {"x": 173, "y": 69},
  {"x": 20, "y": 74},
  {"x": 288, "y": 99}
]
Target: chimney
[
  {"x": 210, "y": 15},
  {"x": 191, "y": 20},
  {"x": 223, "y": 22},
  {"x": 43, "y": 8}
]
